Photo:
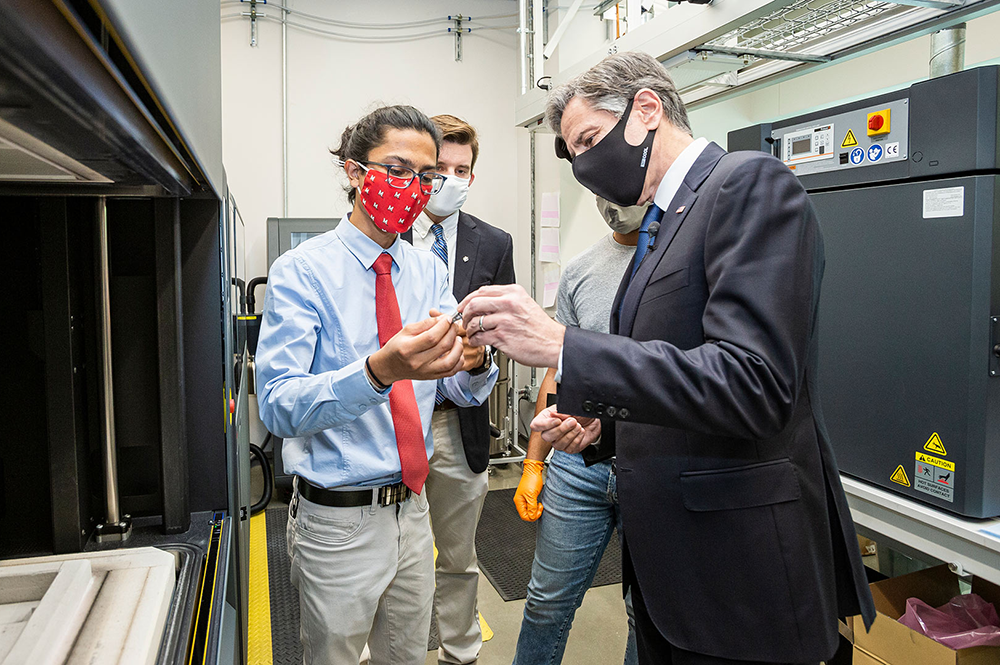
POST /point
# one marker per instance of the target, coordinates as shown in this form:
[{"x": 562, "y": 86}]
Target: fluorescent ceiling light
[{"x": 690, "y": 68}]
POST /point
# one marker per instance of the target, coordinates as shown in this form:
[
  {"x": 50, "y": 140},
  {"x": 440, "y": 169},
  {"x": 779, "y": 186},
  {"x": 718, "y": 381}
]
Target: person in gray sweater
[{"x": 580, "y": 498}]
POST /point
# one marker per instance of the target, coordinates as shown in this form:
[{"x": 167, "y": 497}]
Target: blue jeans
[{"x": 579, "y": 516}]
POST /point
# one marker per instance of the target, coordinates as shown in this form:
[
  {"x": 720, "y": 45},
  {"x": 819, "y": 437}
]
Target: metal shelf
[
  {"x": 795, "y": 26},
  {"x": 967, "y": 545}
]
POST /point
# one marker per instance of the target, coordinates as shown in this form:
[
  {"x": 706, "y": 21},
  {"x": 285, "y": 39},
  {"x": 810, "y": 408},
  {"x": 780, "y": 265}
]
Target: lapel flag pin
[{"x": 681, "y": 209}]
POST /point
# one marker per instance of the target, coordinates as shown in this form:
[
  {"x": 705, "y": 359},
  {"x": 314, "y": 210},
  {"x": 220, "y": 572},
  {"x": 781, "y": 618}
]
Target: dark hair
[{"x": 359, "y": 139}]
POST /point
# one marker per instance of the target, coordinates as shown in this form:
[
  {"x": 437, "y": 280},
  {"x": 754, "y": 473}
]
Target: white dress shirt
[
  {"x": 675, "y": 175},
  {"x": 423, "y": 238},
  {"x": 665, "y": 192}
]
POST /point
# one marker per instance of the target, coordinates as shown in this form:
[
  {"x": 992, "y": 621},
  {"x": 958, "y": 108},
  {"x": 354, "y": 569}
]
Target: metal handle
[{"x": 109, "y": 450}]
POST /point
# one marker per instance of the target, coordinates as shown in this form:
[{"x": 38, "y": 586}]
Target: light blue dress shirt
[{"x": 317, "y": 329}]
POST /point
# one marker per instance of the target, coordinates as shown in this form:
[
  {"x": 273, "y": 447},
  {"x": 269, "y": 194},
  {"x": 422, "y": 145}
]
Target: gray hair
[{"x": 612, "y": 83}]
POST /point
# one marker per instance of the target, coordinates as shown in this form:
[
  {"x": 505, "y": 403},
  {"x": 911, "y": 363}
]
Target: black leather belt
[
  {"x": 446, "y": 405},
  {"x": 387, "y": 495}
]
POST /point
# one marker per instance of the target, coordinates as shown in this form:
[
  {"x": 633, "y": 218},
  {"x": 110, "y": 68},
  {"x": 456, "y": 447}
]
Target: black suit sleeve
[
  {"x": 505, "y": 270},
  {"x": 762, "y": 251}
]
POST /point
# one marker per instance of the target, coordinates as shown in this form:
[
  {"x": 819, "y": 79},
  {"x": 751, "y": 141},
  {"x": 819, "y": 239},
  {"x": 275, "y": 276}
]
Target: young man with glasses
[
  {"x": 475, "y": 254},
  {"x": 358, "y": 337}
]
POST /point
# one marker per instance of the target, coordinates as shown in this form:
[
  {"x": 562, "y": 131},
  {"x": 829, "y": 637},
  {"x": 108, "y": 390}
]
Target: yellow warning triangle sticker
[
  {"x": 899, "y": 476},
  {"x": 934, "y": 445},
  {"x": 849, "y": 140}
]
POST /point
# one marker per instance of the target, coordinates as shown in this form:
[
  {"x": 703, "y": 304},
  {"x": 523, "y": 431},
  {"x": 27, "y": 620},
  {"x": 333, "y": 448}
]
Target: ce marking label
[{"x": 891, "y": 150}]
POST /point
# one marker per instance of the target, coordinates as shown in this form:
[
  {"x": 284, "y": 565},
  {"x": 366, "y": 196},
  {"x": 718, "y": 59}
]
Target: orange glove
[{"x": 526, "y": 496}]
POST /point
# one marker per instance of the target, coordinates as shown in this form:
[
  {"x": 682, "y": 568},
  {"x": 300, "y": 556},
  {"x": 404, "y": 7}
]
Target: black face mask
[{"x": 613, "y": 169}]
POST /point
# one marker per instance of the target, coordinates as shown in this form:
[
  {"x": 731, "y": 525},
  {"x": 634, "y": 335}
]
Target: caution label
[
  {"x": 899, "y": 476},
  {"x": 934, "y": 445},
  {"x": 934, "y": 461},
  {"x": 942, "y": 487},
  {"x": 849, "y": 140},
  {"x": 935, "y": 477}
]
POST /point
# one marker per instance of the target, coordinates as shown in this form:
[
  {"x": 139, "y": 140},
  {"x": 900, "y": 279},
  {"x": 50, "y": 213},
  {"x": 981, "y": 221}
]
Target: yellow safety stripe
[{"x": 259, "y": 650}]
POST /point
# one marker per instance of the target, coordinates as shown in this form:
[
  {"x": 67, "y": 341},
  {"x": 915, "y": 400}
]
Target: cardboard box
[
  {"x": 862, "y": 657},
  {"x": 892, "y": 643}
]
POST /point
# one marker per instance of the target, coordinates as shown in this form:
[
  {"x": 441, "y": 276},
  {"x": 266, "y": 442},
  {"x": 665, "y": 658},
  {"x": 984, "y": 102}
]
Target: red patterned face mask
[{"x": 392, "y": 208}]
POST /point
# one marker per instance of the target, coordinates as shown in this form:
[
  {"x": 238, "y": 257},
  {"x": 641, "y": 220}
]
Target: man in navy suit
[{"x": 738, "y": 541}]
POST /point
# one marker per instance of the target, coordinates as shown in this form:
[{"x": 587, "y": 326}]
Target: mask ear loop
[{"x": 343, "y": 163}]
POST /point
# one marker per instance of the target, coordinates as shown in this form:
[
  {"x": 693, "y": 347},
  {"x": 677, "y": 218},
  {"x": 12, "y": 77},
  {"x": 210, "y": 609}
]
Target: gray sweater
[{"x": 588, "y": 286}]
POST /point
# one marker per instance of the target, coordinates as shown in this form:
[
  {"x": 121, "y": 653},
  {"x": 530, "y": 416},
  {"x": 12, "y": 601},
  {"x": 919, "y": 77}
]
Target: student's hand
[
  {"x": 567, "y": 433},
  {"x": 426, "y": 350},
  {"x": 473, "y": 356},
  {"x": 526, "y": 496}
]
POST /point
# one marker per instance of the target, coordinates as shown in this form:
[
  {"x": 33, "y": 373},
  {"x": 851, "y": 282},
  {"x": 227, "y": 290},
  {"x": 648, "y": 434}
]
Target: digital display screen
[{"x": 801, "y": 146}]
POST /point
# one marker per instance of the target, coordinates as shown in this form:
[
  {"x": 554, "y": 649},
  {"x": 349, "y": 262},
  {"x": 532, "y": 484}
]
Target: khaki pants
[
  {"x": 362, "y": 574},
  {"x": 456, "y": 497}
]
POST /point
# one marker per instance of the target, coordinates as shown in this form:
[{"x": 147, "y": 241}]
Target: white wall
[
  {"x": 888, "y": 69},
  {"x": 333, "y": 82}
]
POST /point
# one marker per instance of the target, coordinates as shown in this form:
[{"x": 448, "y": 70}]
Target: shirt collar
[
  {"x": 677, "y": 172},
  {"x": 364, "y": 248},
  {"x": 423, "y": 224}
]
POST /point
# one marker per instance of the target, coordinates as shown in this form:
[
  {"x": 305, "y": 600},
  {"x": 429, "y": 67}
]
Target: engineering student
[
  {"x": 475, "y": 254},
  {"x": 357, "y": 338}
]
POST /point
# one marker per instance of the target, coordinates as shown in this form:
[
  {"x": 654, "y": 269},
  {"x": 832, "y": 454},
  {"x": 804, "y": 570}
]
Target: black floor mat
[
  {"x": 505, "y": 546},
  {"x": 286, "y": 648}
]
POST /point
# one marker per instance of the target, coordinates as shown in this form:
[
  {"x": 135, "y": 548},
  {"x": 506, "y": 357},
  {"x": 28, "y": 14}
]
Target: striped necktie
[
  {"x": 440, "y": 250},
  {"x": 440, "y": 246}
]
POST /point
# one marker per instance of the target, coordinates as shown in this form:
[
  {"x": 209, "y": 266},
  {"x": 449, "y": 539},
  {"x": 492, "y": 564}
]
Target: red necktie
[{"x": 402, "y": 401}]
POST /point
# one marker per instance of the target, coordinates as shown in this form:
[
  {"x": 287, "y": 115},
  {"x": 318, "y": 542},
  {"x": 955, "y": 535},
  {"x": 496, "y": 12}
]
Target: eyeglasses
[{"x": 400, "y": 177}]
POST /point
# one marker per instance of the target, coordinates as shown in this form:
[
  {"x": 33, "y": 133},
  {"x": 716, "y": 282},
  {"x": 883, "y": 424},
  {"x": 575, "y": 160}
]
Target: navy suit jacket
[
  {"x": 490, "y": 254},
  {"x": 736, "y": 523}
]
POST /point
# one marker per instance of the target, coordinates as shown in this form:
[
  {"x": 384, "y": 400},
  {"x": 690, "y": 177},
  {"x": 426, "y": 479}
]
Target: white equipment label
[{"x": 945, "y": 202}]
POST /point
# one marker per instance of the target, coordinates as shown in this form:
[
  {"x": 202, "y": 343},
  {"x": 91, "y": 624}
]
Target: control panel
[
  {"x": 860, "y": 138},
  {"x": 808, "y": 145}
]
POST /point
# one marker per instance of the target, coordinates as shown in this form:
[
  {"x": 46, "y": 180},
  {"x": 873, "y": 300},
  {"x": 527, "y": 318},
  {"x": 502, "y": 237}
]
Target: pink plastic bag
[{"x": 964, "y": 621}]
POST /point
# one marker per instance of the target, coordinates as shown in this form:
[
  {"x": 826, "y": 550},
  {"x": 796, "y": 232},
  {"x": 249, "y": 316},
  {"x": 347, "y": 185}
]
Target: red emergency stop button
[
  {"x": 878, "y": 122},
  {"x": 232, "y": 406}
]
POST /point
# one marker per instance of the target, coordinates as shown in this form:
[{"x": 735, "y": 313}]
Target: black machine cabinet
[
  {"x": 909, "y": 366},
  {"x": 125, "y": 396}
]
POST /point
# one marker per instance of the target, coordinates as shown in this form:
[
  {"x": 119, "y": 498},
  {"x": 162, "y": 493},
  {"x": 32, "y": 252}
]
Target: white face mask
[
  {"x": 623, "y": 220},
  {"x": 451, "y": 197}
]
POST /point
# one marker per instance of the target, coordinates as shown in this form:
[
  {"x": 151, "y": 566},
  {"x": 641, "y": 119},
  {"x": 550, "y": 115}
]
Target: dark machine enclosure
[
  {"x": 908, "y": 328},
  {"x": 108, "y": 85}
]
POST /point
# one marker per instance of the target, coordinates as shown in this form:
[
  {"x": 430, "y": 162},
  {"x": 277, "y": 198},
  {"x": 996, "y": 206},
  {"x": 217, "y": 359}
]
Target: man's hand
[
  {"x": 567, "y": 433},
  {"x": 506, "y": 318},
  {"x": 526, "y": 496},
  {"x": 473, "y": 356},
  {"x": 426, "y": 350}
]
